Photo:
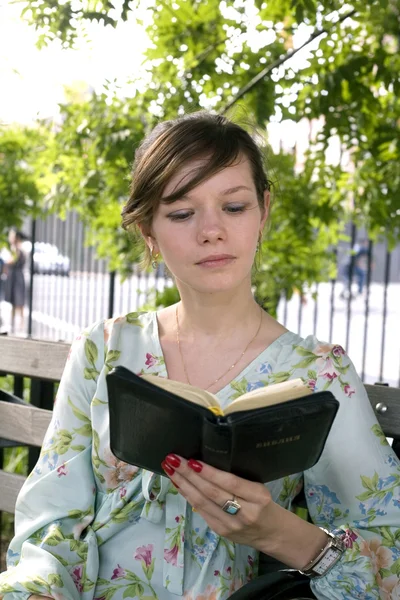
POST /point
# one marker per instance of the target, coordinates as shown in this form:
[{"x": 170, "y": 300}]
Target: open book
[{"x": 265, "y": 434}]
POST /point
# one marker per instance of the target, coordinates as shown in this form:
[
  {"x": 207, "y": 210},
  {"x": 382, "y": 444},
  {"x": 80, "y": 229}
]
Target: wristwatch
[{"x": 327, "y": 558}]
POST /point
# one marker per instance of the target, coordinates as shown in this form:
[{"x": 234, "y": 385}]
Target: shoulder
[
  {"x": 100, "y": 332},
  {"x": 134, "y": 323},
  {"x": 310, "y": 344},
  {"x": 320, "y": 363}
]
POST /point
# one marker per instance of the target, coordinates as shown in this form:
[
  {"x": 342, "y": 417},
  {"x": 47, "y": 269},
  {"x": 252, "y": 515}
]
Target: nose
[{"x": 211, "y": 228}]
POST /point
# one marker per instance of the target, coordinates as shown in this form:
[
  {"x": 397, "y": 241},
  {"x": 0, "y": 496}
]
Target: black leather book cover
[{"x": 263, "y": 444}]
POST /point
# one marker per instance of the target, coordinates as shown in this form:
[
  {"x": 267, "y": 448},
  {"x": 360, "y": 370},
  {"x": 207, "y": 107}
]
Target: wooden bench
[
  {"x": 26, "y": 424},
  {"x": 43, "y": 362}
]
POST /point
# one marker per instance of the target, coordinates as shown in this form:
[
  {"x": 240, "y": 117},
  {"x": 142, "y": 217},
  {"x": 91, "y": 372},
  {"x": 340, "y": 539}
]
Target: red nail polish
[
  {"x": 173, "y": 460},
  {"x": 195, "y": 465},
  {"x": 173, "y": 483},
  {"x": 167, "y": 468}
]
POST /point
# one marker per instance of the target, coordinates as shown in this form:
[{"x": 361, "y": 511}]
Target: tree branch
[{"x": 277, "y": 63}]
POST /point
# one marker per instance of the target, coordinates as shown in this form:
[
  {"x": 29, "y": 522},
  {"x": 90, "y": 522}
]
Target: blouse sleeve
[
  {"x": 54, "y": 551},
  {"x": 355, "y": 490}
]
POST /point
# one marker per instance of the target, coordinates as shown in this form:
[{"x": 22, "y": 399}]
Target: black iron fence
[{"x": 69, "y": 288}]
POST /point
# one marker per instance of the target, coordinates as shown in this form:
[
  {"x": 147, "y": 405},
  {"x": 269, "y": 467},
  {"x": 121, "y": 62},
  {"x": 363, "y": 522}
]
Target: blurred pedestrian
[
  {"x": 15, "y": 283},
  {"x": 355, "y": 268}
]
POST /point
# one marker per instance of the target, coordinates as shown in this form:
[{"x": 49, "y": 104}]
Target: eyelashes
[{"x": 232, "y": 209}]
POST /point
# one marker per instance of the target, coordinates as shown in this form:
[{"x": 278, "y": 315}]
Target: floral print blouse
[{"x": 91, "y": 527}]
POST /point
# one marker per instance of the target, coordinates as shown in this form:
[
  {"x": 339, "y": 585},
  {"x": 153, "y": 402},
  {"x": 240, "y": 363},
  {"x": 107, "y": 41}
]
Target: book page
[
  {"x": 269, "y": 395},
  {"x": 187, "y": 391}
]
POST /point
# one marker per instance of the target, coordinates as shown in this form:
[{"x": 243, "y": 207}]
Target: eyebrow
[
  {"x": 233, "y": 190},
  {"x": 227, "y": 192}
]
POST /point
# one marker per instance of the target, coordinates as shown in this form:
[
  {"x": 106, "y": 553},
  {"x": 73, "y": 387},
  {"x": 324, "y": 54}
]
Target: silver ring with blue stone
[{"x": 231, "y": 507}]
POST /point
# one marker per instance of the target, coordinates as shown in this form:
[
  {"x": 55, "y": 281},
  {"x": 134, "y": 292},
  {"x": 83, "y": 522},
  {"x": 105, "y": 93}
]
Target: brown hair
[{"x": 170, "y": 145}]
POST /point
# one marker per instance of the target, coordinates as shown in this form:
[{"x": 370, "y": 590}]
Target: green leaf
[
  {"x": 96, "y": 441},
  {"x": 78, "y": 448},
  {"x": 97, "y": 402},
  {"x": 82, "y": 551},
  {"x": 133, "y": 319},
  {"x": 365, "y": 496},
  {"x": 386, "y": 573},
  {"x": 32, "y": 588},
  {"x": 88, "y": 585},
  {"x": 78, "y": 413},
  {"x": 55, "y": 580},
  {"x": 113, "y": 355},
  {"x": 280, "y": 376},
  {"x": 76, "y": 514},
  {"x": 85, "y": 430},
  {"x": 91, "y": 352},
  {"x": 122, "y": 515},
  {"x": 90, "y": 374},
  {"x": 304, "y": 352},
  {"x": 327, "y": 384},
  {"x": 377, "y": 431},
  {"x": 375, "y": 480},
  {"x": 131, "y": 591},
  {"x": 64, "y": 436},
  {"x": 52, "y": 540},
  {"x": 62, "y": 560},
  {"x": 303, "y": 364},
  {"x": 368, "y": 483},
  {"x": 100, "y": 476}
]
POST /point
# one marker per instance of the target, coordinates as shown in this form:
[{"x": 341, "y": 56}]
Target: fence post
[
  {"x": 111, "y": 295},
  {"x": 31, "y": 274}
]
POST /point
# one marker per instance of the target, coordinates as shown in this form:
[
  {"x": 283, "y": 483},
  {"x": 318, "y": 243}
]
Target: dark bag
[{"x": 282, "y": 585}]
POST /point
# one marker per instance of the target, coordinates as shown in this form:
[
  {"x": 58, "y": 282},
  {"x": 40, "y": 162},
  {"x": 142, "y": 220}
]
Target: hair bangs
[{"x": 216, "y": 159}]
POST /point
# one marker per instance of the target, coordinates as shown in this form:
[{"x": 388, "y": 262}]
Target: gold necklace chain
[{"x": 231, "y": 367}]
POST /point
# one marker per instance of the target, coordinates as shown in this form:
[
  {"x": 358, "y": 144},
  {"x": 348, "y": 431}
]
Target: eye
[
  {"x": 179, "y": 216},
  {"x": 235, "y": 208}
]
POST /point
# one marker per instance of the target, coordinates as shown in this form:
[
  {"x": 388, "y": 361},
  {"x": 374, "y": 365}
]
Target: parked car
[{"x": 48, "y": 260}]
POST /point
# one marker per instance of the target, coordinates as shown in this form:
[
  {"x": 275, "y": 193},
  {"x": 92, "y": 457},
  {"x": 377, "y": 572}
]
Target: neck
[{"x": 216, "y": 315}]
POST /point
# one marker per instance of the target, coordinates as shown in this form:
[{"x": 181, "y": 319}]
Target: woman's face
[{"x": 208, "y": 238}]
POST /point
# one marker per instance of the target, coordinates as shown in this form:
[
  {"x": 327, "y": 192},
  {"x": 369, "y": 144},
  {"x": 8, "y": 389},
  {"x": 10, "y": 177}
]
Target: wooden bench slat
[
  {"x": 33, "y": 358},
  {"x": 10, "y": 486},
  {"x": 25, "y": 424}
]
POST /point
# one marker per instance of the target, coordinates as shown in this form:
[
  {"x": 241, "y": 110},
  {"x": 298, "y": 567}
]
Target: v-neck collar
[{"x": 262, "y": 357}]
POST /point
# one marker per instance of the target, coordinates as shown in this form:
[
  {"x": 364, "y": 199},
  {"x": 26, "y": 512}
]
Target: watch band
[{"x": 327, "y": 558}]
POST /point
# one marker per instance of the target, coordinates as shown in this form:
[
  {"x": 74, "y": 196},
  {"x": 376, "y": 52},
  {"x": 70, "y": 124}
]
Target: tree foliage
[
  {"x": 208, "y": 53},
  {"x": 21, "y": 175}
]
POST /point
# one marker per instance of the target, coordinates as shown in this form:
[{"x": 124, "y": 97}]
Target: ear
[
  {"x": 149, "y": 240},
  {"x": 267, "y": 204}
]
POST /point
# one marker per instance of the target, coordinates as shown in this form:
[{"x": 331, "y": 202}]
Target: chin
[{"x": 219, "y": 283}]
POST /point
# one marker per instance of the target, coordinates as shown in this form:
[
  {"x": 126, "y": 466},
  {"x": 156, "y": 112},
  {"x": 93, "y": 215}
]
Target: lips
[{"x": 215, "y": 258}]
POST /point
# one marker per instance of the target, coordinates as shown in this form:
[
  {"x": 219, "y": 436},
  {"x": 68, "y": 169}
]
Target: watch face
[{"x": 325, "y": 562}]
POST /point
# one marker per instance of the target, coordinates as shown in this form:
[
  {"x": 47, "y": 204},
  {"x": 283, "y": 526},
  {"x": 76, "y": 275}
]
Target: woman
[
  {"x": 15, "y": 283},
  {"x": 89, "y": 526}
]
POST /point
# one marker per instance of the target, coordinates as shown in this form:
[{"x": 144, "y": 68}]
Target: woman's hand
[
  {"x": 260, "y": 522},
  {"x": 207, "y": 489}
]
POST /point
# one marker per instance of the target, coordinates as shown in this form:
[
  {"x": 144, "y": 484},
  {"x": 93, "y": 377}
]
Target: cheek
[{"x": 174, "y": 246}]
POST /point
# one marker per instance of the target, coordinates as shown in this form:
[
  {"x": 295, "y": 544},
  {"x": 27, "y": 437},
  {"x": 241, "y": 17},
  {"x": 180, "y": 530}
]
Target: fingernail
[
  {"x": 195, "y": 465},
  {"x": 173, "y": 483},
  {"x": 173, "y": 460},
  {"x": 167, "y": 468}
]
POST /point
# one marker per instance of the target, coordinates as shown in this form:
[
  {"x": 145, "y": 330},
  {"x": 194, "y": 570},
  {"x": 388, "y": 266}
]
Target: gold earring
[
  {"x": 154, "y": 257},
  {"x": 257, "y": 258}
]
